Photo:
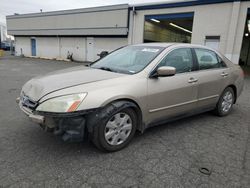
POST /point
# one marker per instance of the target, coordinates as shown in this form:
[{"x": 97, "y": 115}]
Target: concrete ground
[{"x": 165, "y": 156}]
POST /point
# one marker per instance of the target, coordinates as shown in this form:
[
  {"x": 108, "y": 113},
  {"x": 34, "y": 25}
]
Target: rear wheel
[
  {"x": 116, "y": 130},
  {"x": 225, "y": 103}
]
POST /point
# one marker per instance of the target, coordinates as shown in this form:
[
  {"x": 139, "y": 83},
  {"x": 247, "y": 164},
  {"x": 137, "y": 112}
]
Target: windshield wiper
[
  {"x": 113, "y": 70},
  {"x": 106, "y": 69}
]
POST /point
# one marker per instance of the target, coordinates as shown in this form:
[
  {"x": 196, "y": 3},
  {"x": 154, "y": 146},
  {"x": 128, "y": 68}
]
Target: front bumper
[
  {"x": 33, "y": 117},
  {"x": 71, "y": 126}
]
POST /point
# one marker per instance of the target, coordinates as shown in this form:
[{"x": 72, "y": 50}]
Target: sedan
[{"x": 132, "y": 89}]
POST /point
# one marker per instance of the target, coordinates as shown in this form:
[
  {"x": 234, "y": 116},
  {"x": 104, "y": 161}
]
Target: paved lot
[{"x": 165, "y": 156}]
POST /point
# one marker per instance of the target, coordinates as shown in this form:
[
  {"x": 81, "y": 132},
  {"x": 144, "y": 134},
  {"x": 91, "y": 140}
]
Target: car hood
[{"x": 39, "y": 86}]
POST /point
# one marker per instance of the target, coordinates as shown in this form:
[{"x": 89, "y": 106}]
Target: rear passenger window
[
  {"x": 207, "y": 59},
  {"x": 181, "y": 59},
  {"x": 223, "y": 64}
]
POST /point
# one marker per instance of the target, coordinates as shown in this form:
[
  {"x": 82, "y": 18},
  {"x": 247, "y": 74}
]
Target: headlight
[{"x": 68, "y": 103}]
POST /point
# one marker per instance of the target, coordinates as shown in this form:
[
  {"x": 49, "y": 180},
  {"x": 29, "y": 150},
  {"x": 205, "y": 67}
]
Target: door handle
[
  {"x": 192, "y": 80},
  {"x": 224, "y": 74}
]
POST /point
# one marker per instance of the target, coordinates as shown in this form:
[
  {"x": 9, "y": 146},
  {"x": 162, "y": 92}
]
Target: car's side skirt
[
  {"x": 184, "y": 103},
  {"x": 180, "y": 116}
]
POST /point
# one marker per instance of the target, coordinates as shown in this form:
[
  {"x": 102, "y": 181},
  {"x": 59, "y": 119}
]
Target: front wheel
[
  {"x": 225, "y": 103},
  {"x": 116, "y": 130}
]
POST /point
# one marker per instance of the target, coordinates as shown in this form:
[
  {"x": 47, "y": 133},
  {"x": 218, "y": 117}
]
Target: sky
[{"x": 9, "y": 7}]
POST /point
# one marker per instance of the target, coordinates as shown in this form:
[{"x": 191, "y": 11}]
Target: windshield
[{"x": 128, "y": 60}]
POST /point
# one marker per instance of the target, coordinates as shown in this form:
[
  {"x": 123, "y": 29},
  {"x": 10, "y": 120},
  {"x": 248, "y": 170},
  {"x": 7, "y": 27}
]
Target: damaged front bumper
[
  {"x": 35, "y": 118},
  {"x": 70, "y": 126}
]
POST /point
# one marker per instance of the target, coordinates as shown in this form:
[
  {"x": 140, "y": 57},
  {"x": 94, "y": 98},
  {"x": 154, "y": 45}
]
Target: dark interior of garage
[
  {"x": 245, "y": 49},
  {"x": 168, "y": 28}
]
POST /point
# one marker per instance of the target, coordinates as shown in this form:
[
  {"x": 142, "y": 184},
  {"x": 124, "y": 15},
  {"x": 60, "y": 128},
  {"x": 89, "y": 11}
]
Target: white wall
[
  {"x": 226, "y": 20},
  {"x": 108, "y": 44},
  {"x": 75, "y": 45},
  {"x": 107, "y": 20},
  {"x": 209, "y": 20},
  {"x": 58, "y": 47},
  {"x": 47, "y": 47},
  {"x": 23, "y": 45},
  {"x": 212, "y": 20}
]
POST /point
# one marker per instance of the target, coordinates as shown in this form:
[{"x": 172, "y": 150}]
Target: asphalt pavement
[{"x": 199, "y": 151}]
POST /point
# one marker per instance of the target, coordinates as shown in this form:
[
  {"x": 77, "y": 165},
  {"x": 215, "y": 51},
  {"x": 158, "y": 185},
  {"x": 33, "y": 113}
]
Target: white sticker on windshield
[{"x": 154, "y": 50}]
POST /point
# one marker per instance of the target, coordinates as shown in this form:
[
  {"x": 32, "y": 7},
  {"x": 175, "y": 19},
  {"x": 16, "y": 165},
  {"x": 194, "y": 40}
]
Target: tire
[
  {"x": 107, "y": 125},
  {"x": 225, "y": 103}
]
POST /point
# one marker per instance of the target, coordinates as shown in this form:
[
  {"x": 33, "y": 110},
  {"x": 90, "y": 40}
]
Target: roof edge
[
  {"x": 182, "y": 4},
  {"x": 70, "y": 11}
]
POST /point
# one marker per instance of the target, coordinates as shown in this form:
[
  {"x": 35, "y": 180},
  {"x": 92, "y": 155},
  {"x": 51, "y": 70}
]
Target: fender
[{"x": 103, "y": 113}]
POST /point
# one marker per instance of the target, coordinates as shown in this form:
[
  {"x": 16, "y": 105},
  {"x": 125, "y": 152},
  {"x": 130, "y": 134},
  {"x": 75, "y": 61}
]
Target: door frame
[
  {"x": 217, "y": 71},
  {"x": 150, "y": 111},
  {"x": 33, "y": 46}
]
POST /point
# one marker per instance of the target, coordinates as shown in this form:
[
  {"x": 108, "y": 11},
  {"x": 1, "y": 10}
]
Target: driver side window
[{"x": 180, "y": 58}]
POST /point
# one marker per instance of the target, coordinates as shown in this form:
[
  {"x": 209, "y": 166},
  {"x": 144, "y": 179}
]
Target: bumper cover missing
[
  {"x": 33, "y": 117},
  {"x": 71, "y": 129},
  {"x": 71, "y": 126}
]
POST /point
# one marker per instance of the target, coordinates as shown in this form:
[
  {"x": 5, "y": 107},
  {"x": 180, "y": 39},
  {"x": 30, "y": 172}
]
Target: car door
[
  {"x": 173, "y": 95},
  {"x": 211, "y": 77}
]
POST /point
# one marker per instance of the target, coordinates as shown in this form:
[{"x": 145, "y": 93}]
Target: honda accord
[{"x": 131, "y": 89}]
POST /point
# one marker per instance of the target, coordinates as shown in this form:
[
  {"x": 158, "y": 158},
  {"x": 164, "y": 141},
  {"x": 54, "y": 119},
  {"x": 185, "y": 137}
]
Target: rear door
[
  {"x": 173, "y": 95},
  {"x": 211, "y": 77},
  {"x": 33, "y": 47}
]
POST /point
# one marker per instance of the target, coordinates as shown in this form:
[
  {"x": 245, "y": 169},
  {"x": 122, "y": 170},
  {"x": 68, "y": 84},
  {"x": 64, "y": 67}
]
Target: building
[
  {"x": 3, "y": 32},
  {"x": 220, "y": 24}
]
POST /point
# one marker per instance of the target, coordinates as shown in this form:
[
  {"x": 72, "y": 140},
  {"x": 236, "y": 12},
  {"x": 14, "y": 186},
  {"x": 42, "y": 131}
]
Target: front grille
[{"x": 27, "y": 102}]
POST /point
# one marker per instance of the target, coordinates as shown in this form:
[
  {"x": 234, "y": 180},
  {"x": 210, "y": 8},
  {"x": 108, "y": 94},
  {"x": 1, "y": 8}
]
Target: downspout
[
  {"x": 133, "y": 25},
  {"x": 59, "y": 46}
]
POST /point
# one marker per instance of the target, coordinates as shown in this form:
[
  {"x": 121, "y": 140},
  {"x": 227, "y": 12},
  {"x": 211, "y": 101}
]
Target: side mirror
[
  {"x": 103, "y": 54},
  {"x": 165, "y": 71}
]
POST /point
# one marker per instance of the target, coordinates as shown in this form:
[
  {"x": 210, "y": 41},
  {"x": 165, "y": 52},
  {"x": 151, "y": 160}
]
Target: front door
[
  {"x": 33, "y": 47},
  {"x": 174, "y": 95}
]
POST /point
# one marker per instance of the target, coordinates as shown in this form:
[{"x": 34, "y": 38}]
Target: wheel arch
[
  {"x": 130, "y": 103},
  {"x": 117, "y": 103},
  {"x": 235, "y": 91}
]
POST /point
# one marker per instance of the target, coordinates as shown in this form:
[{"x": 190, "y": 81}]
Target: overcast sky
[{"x": 9, "y": 7}]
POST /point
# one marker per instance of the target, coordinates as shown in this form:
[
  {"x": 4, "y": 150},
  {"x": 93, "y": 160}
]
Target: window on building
[
  {"x": 168, "y": 27},
  {"x": 212, "y": 42}
]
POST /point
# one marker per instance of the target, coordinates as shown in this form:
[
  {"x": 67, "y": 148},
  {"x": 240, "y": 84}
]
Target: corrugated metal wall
[{"x": 109, "y": 20}]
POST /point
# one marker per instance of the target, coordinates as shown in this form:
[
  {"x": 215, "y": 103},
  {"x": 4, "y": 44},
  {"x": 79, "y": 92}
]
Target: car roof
[
  {"x": 156, "y": 44},
  {"x": 185, "y": 45},
  {"x": 166, "y": 44}
]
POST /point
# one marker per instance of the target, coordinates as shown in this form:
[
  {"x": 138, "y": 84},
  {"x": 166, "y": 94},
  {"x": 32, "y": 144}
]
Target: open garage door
[
  {"x": 168, "y": 27},
  {"x": 245, "y": 49}
]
